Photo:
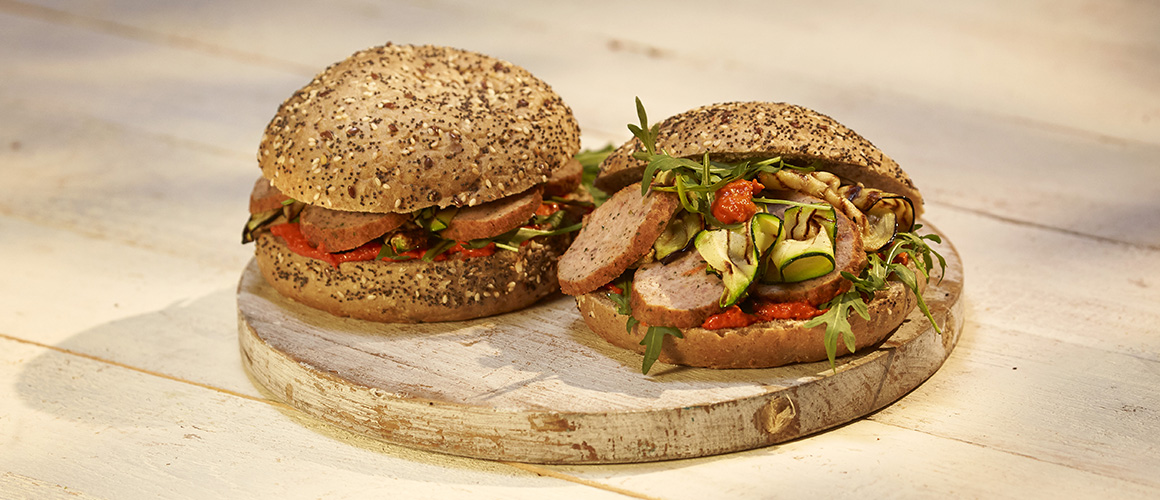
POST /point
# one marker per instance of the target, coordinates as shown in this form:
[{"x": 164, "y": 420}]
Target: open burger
[
  {"x": 417, "y": 184},
  {"x": 748, "y": 235}
]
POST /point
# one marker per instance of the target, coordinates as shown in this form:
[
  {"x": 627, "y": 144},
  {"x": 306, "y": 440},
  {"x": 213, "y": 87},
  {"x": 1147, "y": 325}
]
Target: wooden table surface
[{"x": 128, "y": 132}]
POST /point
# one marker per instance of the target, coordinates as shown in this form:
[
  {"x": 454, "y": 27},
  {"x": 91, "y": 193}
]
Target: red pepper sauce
[
  {"x": 473, "y": 252},
  {"x": 418, "y": 253},
  {"x": 733, "y": 203},
  {"x": 296, "y": 241},
  {"x": 547, "y": 208},
  {"x": 291, "y": 232},
  {"x": 769, "y": 311},
  {"x": 732, "y": 317}
]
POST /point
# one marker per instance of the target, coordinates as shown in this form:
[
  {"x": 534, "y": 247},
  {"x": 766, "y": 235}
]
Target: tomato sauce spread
[
  {"x": 296, "y": 241},
  {"x": 734, "y": 317},
  {"x": 291, "y": 232},
  {"x": 733, "y": 203},
  {"x": 769, "y": 311},
  {"x": 547, "y": 208},
  {"x": 483, "y": 251}
]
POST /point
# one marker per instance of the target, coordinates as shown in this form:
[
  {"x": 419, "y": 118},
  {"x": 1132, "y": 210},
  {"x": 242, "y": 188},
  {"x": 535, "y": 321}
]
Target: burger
[
  {"x": 417, "y": 184},
  {"x": 749, "y": 235}
]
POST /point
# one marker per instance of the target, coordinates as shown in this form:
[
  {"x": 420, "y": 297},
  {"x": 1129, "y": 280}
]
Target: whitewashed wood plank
[
  {"x": 865, "y": 459},
  {"x": 1058, "y": 286},
  {"x": 1084, "y": 65},
  {"x": 74, "y": 71},
  {"x": 14, "y": 485},
  {"x": 123, "y": 184},
  {"x": 1087, "y": 66},
  {"x": 136, "y": 306},
  {"x": 1057, "y": 402},
  {"x": 77, "y": 426}
]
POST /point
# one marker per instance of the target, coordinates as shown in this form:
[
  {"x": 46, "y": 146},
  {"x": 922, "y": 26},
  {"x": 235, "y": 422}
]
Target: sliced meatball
[
  {"x": 265, "y": 197},
  {"x": 680, "y": 294},
  {"x": 494, "y": 217},
  {"x": 615, "y": 235},
  {"x": 565, "y": 180},
  {"x": 337, "y": 230},
  {"x": 849, "y": 256}
]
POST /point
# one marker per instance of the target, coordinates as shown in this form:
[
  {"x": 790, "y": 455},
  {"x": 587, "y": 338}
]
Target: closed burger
[{"x": 416, "y": 184}]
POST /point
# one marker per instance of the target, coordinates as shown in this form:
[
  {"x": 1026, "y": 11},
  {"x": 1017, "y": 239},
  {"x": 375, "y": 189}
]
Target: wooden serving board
[{"x": 537, "y": 386}]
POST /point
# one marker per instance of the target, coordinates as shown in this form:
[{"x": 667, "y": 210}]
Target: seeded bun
[
  {"x": 398, "y": 128},
  {"x": 737, "y": 130},
  {"x": 760, "y": 345},
  {"x": 415, "y": 291}
]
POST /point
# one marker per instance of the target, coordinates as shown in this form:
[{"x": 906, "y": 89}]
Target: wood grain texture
[{"x": 537, "y": 386}]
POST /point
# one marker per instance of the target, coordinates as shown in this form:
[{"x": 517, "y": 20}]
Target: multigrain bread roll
[{"x": 407, "y": 184}]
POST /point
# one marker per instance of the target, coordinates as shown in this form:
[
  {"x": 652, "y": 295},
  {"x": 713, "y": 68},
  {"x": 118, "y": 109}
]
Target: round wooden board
[{"x": 537, "y": 386}]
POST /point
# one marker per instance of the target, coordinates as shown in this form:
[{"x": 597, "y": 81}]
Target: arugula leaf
[
  {"x": 388, "y": 252},
  {"x": 873, "y": 279},
  {"x": 647, "y": 136},
  {"x": 435, "y": 219},
  {"x": 591, "y": 158},
  {"x": 837, "y": 321},
  {"x": 590, "y": 161},
  {"x": 653, "y": 337},
  {"x": 652, "y": 342},
  {"x": 511, "y": 239},
  {"x": 436, "y": 249}
]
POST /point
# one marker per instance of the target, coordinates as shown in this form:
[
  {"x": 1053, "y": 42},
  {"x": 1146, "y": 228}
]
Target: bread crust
[
  {"x": 415, "y": 291},
  {"x": 761, "y": 345},
  {"x": 737, "y": 130},
  {"x": 397, "y": 128}
]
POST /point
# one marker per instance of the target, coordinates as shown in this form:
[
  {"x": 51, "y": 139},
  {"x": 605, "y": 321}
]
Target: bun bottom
[
  {"x": 415, "y": 291},
  {"x": 760, "y": 345}
]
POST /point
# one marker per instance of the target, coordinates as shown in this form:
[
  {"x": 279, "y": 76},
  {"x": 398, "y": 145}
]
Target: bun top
[
  {"x": 397, "y": 128},
  {"x": 738, "y": 130}
]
